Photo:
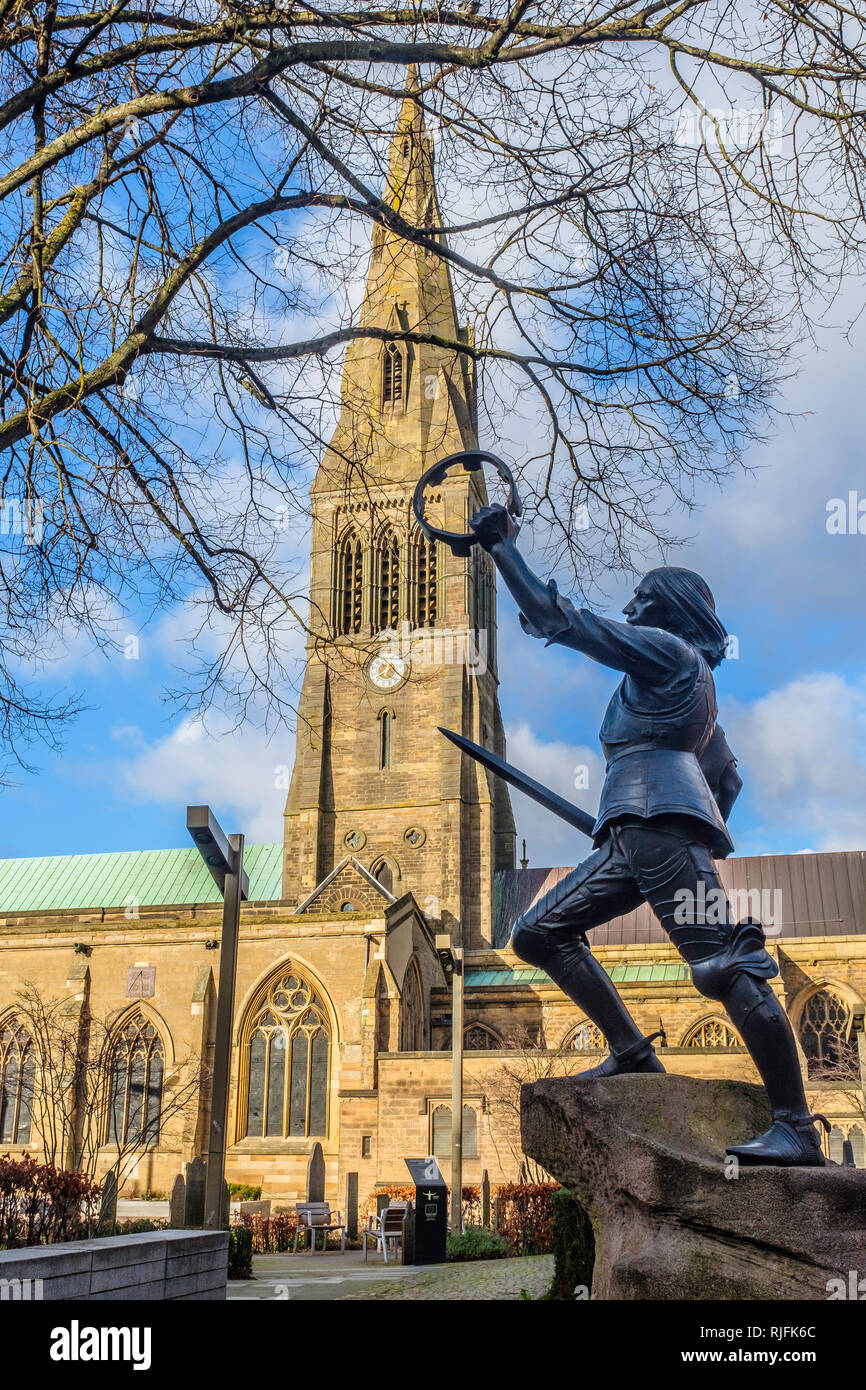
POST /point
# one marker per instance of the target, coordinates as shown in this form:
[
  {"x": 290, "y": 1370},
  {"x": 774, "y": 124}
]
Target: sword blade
[{"x": 581, "y": 820}]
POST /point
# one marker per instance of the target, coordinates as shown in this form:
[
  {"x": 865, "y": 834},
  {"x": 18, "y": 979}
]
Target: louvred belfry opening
[
  {"x": 350, "y": 585},
  {"x": 392, "y": 375},
  {"x": 387, "y": 607},
  {"x": 423, "y": 581}
]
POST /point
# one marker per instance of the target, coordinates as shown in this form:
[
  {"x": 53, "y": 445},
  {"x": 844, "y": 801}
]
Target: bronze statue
[{"x": 670, "y": 785}]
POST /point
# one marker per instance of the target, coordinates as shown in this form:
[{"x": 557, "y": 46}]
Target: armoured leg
[
  {"x": 792, "y": 1139},
  {"x": 550, "y": 936},
  {"x": 729, "y": 962}
]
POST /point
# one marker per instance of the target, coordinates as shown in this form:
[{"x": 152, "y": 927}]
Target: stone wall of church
[{"x": 381, "y": 1100}]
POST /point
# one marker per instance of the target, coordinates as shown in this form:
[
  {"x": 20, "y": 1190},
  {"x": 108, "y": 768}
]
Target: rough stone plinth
[{"x": 672, "y": 1217}]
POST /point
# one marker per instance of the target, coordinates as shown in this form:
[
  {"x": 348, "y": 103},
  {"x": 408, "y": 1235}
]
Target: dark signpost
[
  {"x": 431, "y": 1213},
  {"x": 224, "y": 856}
]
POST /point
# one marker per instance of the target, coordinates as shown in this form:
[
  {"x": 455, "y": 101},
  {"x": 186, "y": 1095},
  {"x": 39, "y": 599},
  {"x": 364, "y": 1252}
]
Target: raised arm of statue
[
  {"x": 648, "y": 654},
  {"x": 496, "y": 531}
]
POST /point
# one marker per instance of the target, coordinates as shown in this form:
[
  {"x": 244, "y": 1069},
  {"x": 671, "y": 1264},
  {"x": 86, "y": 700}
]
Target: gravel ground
[{"x": 476, "y": 1279}]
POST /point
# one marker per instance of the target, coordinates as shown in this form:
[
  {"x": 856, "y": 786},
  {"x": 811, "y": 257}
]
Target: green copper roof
[
  {"x": 148, "y": 878},
  {"x": 620, "y": 974}
]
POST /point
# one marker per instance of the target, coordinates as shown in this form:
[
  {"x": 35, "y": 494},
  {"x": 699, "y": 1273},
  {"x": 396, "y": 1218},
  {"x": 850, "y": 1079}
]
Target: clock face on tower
[{"x": 387, "y": 672}]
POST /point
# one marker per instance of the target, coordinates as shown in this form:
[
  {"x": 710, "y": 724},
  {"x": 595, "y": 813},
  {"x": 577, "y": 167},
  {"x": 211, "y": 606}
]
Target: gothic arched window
[
  {"x": 386, "y": 720},
  {"x": 712, "y": 1032},
  {"x": 383, "y": 1016},
  {"x": 823, "y": 1028},
  {"x": 392, "y": 374},
  {"x": 477, "y": 1038},
  {"x": 423, "y": 582},
  {"x": 835, "y": 1140},
  {"x": 386, "y": 600},
  {"x": 384, "y": 874},
  {"x": 349, "y": 586},
  {"x": 137, "y": 1067},
  {"x": 587, "y": 1037},
  {"x": 412, "y": 1029},
  {"x": 286, "y": 1051},
  {"x": 17, "y": 1077}
]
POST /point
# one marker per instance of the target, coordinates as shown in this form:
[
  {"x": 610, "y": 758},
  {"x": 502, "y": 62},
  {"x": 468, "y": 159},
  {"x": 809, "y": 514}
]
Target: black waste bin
[{"x": 430, "y": 1213}]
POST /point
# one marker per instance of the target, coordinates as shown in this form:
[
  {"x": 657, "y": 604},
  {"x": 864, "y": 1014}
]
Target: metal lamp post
[
  {"x": 224, "y": 856},
  {"x": 452, "y": 963}
]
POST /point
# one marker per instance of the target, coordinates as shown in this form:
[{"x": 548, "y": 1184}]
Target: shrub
[
  {"x": 240, "y": 1253},
  {"x": 396, "y": 1191},
  {"x": 244, "y": 1192},
  {"x": 41, "y": 1204},
  {"x": 135, "y": 1226},
  {"x": 573, "y": 1246},
  {"x": 270, "y": 1235},
  {"x": 525, "y": 1216},
  {"x": 476, "y": 1243},
  {"x": 404, "y": 1193}
]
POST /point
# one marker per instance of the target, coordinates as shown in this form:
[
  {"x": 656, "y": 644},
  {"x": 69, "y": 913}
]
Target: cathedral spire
[
  {"x": 405, "y": 403},
  {"x": 373, "y": 776}
]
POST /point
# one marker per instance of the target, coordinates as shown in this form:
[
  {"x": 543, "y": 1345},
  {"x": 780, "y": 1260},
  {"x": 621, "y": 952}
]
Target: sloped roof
[
  {"x": 645, "y": 973},
  {"x": 818, "y": 895},
  {"x": 150, "y": 878}
]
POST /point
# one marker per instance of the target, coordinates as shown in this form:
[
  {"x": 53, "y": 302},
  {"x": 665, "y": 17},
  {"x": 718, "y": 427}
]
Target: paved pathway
[
  {"x": 336, "y": 1276},
  {"x": 133, "y": 1209}
]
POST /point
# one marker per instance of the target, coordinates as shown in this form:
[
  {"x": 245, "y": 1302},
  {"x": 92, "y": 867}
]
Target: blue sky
[{"x": 793, "y": 702}]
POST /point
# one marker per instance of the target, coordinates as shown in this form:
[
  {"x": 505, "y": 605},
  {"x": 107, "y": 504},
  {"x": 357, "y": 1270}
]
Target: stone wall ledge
[{"x": 151, "y": 1265}]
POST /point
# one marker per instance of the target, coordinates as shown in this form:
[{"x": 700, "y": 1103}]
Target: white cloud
[
  {"x": 241, "y": 774},
  {"x": 802, "y": 750},
  {"x": 560, "y": 766}
]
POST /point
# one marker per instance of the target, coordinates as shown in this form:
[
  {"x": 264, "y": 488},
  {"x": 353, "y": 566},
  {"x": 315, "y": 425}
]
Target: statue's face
[{"x": 643, "y": 608}]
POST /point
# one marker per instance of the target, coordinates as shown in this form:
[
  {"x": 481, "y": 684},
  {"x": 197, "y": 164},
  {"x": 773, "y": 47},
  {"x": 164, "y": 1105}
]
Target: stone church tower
[{"x": 402, "y": 632}]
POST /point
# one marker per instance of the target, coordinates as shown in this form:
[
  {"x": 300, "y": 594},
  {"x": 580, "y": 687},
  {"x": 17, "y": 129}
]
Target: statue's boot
[
  {"x": 640, "y": 1057},
  {"x": 581, "y": 977},
  {"x": 792, "y": 1141},
  {"x": 735, "y": 971}
]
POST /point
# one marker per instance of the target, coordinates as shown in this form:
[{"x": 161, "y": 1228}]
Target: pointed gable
[{"x": 348, "y": 888}]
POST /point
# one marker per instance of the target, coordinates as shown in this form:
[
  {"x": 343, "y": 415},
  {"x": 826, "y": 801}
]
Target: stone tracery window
[
  {"x": 286, "y": 1052},
  {"x": 349, "y": 584},
  {"x": 713, "y": 1032},
  {"x": 137, "y": 1068},
  {"x": 587, "y": 1037},
  {"x": 17, "y": 1077},
  {"x": 823, "y": 1027},
  {"x": 477, "y": 1038}
]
